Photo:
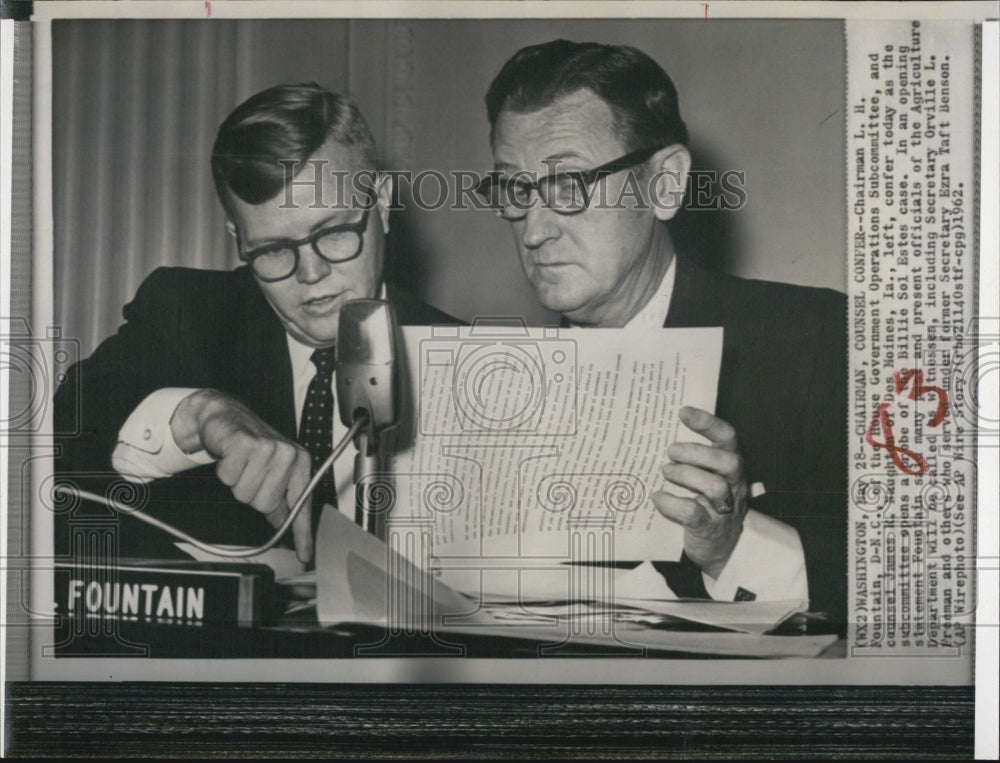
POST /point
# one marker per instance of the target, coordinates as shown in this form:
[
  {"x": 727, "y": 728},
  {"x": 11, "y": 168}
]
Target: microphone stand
[{"x": 366, "y": 464}]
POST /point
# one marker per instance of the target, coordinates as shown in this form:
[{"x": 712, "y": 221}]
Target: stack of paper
[{"x": 361, "y": 580}]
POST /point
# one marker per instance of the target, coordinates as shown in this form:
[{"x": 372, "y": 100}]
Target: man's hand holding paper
[{"x": 713, "y": 518}]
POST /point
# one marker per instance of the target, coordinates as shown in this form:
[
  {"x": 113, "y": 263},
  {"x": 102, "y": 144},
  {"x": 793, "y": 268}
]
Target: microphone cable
[{"x": 234, "y": 553}]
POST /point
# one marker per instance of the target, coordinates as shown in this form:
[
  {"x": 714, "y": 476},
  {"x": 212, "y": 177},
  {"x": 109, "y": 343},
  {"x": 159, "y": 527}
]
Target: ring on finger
[{"x": 725, "y": 506}]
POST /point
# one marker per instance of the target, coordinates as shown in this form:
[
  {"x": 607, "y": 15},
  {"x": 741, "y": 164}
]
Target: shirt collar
[{"x": 301, "y": 356}]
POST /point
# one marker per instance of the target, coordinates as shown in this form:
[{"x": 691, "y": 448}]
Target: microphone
[{"x": 368, "y": 389}]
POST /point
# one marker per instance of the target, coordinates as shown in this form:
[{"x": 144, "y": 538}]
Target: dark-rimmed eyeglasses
[
  {"x": 279, "y": 260},
  {"x": 567, "y": 193}
]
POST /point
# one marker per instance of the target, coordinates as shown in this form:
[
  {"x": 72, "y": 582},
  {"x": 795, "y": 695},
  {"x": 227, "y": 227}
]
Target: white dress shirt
[{"x": 654, "y": 313}]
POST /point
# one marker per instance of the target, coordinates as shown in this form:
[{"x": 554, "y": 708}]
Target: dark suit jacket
[
  {"x": 185, "y": 328},
  {"x": 783, "y": 386}
]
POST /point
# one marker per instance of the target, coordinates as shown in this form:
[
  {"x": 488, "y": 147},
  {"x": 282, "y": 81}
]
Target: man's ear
[
  {"x": 669, "y": 180},
  {"x": 384, "y": 193}
]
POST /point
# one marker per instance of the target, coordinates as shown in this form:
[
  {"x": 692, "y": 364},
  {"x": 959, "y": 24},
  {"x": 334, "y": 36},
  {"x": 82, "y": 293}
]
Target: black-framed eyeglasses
[
  {"x": 567, "y": 193},
  {"x": 279, "y": 260}
]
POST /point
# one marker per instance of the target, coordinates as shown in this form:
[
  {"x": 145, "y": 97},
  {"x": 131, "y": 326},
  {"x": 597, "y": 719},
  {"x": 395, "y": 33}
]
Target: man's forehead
[{"x": 579, "y": 124}]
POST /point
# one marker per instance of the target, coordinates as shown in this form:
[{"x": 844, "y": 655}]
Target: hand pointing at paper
[{"x": 713, "y": 517}]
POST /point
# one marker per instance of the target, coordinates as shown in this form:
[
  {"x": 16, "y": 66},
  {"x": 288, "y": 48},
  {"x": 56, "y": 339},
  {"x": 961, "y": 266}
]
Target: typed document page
[{"x": 543, "y": 446}]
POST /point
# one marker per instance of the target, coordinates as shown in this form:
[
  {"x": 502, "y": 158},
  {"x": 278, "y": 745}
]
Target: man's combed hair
[
  {"x": 287, "y": 123},
  {"x": 641, "y": 95}
]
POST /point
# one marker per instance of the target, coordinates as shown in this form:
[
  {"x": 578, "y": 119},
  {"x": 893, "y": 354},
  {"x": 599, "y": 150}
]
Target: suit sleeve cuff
[
  {"x": 768, "y": 564},
  {"x": 146, "y": 449}
]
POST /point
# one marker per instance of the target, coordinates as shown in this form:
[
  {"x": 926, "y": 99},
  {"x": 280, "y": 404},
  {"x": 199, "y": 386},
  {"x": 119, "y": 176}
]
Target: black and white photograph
[
  {"x": 524, "y": 347},
  {"x": 200, "y": 398}
]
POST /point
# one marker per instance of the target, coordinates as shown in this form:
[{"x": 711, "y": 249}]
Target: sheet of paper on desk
[
  {"x": 359, "y": 579},
  {"x": 544, "y": 447},
  {"x": 643, "y": 590},
  {"x": 757, "y": 617},
  {"x": 643, "y": 635},
  {"x": 744, "y": 617}
]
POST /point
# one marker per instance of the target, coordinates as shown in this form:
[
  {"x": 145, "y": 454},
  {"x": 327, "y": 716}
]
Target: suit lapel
[
  {"x": 692, "y": 298},
  {"x": 699, "y": 299},
  {"x": 263, "y": 368}
]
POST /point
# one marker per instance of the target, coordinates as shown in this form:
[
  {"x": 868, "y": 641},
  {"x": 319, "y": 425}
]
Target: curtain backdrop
[{"x": 135, "y": 109}]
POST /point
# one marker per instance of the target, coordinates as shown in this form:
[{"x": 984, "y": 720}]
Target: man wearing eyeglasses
[
  {"x": 224, "y": 378},
  {"x": 590, "y": 162}
]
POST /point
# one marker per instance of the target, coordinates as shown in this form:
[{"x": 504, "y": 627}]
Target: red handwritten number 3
[
  {"x": 919, "y": 389},
  {"x": 881, "y": 419}
]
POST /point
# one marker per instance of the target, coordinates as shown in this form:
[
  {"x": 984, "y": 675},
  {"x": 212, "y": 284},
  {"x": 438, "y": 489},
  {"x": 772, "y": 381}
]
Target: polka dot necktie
[{"x": 316, "y": 428}]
